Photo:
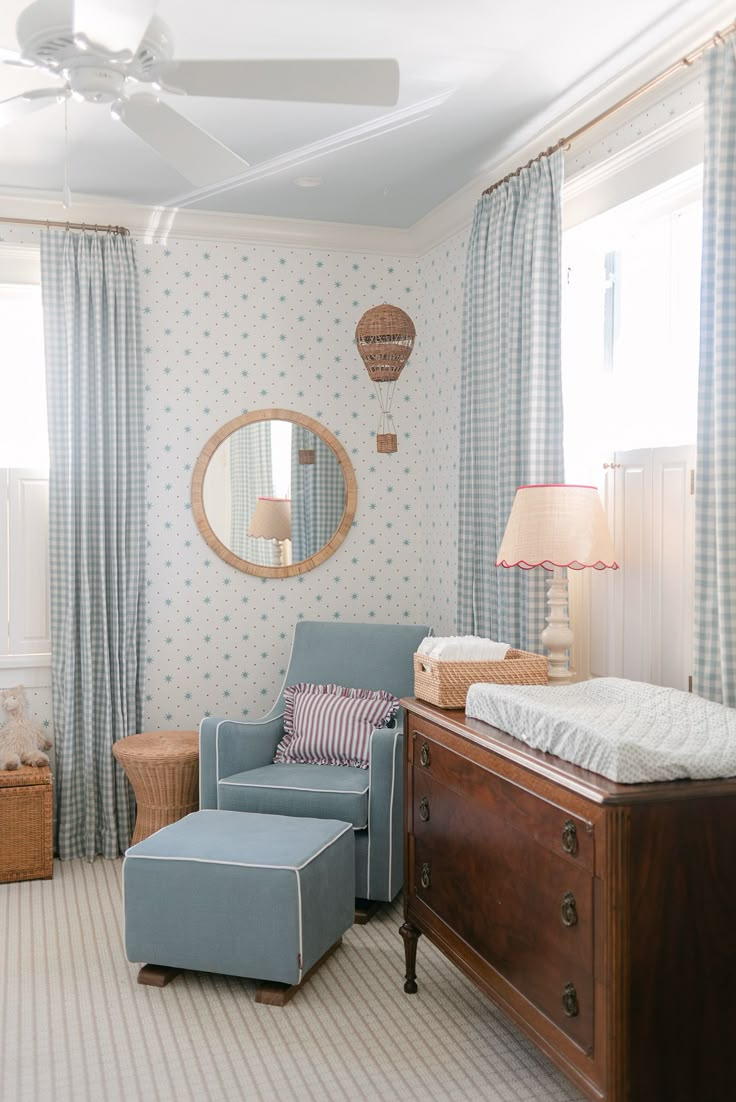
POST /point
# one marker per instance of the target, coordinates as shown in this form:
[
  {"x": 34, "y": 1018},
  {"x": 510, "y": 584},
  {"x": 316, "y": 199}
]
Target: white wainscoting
[{"x": 640, "y": 617}]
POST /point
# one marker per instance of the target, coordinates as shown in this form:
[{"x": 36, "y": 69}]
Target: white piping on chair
[
  {"x": 399, "y": 731},
  {"x": 368, "y": 859},
  {"x": 237, "y": 723},
  {"x": 244, "y": 865},
  {"x": 291, "y": 788},
  {"x": 391, "y": 816}
]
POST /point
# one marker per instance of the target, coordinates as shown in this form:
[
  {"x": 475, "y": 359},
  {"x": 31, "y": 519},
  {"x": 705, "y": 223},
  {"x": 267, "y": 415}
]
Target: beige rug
[{"x": 75, "y": 1026}]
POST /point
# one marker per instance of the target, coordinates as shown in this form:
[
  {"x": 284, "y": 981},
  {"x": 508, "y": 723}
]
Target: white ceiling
[{"x": 473, "y": 74}]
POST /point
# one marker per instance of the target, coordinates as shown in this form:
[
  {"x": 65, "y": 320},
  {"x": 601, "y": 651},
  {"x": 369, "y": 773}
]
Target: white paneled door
[{"x": 640, "y": 624}]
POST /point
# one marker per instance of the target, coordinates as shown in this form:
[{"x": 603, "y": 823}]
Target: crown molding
[
  {"x": 156, "y": 225},
  {"x": 682, "y": 126},
  {"x": 671, "y": 150}
]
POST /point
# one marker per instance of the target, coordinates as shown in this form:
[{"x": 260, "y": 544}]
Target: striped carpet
[{"x": 75, "y": 1026}]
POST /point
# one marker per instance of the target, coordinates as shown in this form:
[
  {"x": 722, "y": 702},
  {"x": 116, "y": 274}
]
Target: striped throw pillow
[{"x": 332, "y": 724}]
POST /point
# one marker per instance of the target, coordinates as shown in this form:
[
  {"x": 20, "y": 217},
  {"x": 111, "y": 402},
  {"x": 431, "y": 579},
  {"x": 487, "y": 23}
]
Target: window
[
  {"x": 24, "y": 614},
  {"x": 631, "y": 327},
  {"x": 631, "y": 330},
  {"x": 24, "y": 436}
]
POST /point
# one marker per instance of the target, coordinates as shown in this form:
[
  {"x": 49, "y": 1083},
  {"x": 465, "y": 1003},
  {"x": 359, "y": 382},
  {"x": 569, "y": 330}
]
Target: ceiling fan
[{"x": 120, "y": 53}]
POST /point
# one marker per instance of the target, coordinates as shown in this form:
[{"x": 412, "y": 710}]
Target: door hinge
[
  {"x": 692, "y": 481},
  {"x": 690, "y": 683}
]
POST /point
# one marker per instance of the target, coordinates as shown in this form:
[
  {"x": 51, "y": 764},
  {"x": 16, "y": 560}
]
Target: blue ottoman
[{"x": 264, "y": 896}]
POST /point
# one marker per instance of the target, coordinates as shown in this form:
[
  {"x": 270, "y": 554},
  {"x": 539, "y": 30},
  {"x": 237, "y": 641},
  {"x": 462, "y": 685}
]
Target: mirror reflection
[{"x": 274, "y": 493}]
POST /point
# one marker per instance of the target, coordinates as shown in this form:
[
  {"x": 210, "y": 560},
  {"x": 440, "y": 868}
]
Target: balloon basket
[{"x": 386, "y": 442}]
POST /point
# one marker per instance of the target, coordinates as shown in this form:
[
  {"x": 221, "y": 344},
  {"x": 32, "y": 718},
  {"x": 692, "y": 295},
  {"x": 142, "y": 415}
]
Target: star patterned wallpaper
[
  {"x": 439, "y": 281},
  {"x": 230, "y": 328}
]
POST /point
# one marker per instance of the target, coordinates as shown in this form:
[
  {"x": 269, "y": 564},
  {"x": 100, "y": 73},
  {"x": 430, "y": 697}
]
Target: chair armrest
[
  {"x": 228, "y": 746},
  {"x": 386, "y": 811}
]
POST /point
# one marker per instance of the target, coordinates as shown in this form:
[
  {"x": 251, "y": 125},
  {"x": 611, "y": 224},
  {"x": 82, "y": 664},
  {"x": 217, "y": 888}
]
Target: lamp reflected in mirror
[{"x": 271, "y": 520}]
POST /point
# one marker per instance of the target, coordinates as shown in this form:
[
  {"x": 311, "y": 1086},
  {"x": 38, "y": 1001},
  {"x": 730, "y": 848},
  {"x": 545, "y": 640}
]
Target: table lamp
[
  {"x": 556, "y": 526},
  {"x": 271, "y": 520}
]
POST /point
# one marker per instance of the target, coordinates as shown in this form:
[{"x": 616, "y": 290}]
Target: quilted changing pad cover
[{"x": 628, "y": 731}]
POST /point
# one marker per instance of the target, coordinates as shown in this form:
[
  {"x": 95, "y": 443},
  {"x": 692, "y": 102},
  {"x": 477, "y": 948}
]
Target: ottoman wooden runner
[{"x": 163, "y": 768}]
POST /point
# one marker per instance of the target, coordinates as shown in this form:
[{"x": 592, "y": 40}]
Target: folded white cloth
[{"x": 462, "y": 648}]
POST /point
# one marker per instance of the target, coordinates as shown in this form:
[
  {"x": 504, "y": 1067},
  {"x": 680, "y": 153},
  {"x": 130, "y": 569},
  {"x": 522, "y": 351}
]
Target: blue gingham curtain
[
  {"x": 250, "y": 478},
  {"x": 714, "y": 634},
  {"x": 96, "y": 529},
  {"x": 511, "y": 398},
  {"x": 317, "y": 494}
]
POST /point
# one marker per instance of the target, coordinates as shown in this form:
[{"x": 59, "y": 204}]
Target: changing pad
[{"x": 628, "y": 731}]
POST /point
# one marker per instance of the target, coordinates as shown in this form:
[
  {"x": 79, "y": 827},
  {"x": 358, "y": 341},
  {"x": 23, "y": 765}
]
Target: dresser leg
[{"x": 411, "y": 936}]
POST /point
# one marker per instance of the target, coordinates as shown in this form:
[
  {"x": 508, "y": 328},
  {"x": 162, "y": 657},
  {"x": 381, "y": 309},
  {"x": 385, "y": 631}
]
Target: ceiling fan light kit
[{"x": 114, "y": 53}]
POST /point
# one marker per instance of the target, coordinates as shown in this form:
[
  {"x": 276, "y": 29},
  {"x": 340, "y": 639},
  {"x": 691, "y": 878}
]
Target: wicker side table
[
  {"x": 26, "y": 824},
  {"x": 163, "y": 768}
]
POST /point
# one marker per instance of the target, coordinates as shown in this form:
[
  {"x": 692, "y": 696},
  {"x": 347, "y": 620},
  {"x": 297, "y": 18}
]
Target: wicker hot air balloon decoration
[{"x": 385, "y": 337}]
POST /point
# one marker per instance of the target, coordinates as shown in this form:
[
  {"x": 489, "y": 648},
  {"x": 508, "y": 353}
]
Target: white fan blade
[
  {"x": 20, "y": 106},
  {"x": 198, "y": 156},
  {"x": 367, "y": 81},
  {"x": 10, "y": 57},
  {"x": 114, "y": 24}
]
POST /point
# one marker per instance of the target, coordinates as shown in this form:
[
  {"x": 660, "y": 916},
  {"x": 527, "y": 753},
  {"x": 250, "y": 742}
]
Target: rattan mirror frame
[{"x": 200, "y": 514}]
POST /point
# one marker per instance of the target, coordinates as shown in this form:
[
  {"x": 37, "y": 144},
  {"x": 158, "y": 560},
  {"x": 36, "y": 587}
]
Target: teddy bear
[{"x": 21, "y": 741}]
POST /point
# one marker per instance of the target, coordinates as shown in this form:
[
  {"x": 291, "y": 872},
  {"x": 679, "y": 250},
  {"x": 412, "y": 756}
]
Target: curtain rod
[
  {"x": 67, "y": 225},
  {"x": 565, "y": 143}
]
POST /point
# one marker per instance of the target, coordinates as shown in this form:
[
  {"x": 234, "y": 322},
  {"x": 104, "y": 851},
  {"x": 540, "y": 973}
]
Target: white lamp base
[{"x": 557, "y": 637}]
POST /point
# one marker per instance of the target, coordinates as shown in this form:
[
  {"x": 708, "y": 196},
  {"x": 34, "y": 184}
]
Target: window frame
[{"x": 19, "y": 265}]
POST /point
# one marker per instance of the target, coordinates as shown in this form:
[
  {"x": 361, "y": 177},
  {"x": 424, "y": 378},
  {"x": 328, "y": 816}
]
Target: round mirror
[{"x": 274, "y": 493}]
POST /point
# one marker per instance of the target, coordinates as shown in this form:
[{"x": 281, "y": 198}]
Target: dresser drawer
[
  {"x": 552, "y": 826},
  {"x": 526, "y": 911}
]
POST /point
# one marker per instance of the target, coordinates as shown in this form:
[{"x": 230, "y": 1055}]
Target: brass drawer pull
[
  {"x": 570, "y": 1001},
  {"x": 424, "y": 754},
  {"x": 424, "y": 809},
  {"x": 570, "y": 837},
  {"x": 569, "y": 910},
  {"x": 426, "y": 877}
]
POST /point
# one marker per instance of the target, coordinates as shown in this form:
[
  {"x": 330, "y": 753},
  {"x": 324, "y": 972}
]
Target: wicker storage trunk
[
  {"x": 446, "y": 684},
  {"x": 26, "y": 838}
]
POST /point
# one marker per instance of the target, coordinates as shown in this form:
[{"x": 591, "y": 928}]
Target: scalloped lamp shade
[
  {"x": 556, "y": 525},
  {"x": 271, "y": 519}
]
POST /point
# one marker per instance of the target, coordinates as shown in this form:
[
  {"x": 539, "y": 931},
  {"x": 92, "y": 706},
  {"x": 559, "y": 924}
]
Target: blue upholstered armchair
[{"x": 237, "y": 771}]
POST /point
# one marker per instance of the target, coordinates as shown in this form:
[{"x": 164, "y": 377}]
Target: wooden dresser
[{"x": 601, "y": 917}]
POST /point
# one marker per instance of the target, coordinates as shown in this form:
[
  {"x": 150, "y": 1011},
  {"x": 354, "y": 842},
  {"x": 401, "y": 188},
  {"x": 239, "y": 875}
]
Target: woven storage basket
[
  {"x": 26, "y": 839},
  {"x": 446, "y": 684}
]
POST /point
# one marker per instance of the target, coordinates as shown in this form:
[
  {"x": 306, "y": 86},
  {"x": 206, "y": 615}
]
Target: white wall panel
[
  {"x": 641, "y": 615},
  {"x": 28, "y": 498}
]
